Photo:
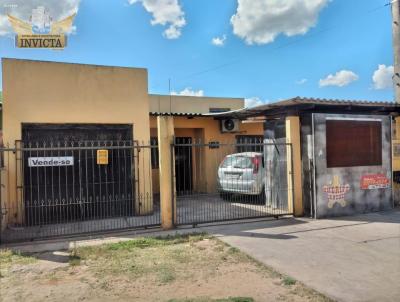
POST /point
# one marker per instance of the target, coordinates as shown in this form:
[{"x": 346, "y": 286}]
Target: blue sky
[{"x": 348, "y": 40}]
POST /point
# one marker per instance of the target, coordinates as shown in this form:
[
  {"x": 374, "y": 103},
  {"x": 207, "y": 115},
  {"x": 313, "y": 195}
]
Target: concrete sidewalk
[{"x": 348, "y": 259}]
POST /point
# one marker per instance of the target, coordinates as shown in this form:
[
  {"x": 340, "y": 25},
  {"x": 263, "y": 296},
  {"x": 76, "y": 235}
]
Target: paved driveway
[{"x": 349, "y": 259}]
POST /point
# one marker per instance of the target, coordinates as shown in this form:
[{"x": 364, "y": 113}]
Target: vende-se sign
[{"x": 51, "y": 161}]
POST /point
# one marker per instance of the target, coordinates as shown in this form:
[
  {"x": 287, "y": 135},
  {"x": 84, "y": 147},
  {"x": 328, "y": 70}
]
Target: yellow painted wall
[
  {"x": 48, "y": 92},
  {"x": 205, "y": 161},
  {"x": 191, "y": 104}
]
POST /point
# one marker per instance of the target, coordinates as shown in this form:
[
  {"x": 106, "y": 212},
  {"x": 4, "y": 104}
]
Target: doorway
[{"x": 183, "y": 165}]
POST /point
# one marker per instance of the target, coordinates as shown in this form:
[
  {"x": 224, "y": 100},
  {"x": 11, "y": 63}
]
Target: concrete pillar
[
  {"x": 165, "y": 130},
  {"x": 294, "y": 165}
]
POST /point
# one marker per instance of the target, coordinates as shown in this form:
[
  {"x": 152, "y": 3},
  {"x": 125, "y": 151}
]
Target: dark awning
[{"x": 297, "y": 105}]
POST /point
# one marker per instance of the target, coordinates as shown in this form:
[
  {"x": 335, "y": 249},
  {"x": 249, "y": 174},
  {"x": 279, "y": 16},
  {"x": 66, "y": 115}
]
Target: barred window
[{"x": 249, "y": 143}]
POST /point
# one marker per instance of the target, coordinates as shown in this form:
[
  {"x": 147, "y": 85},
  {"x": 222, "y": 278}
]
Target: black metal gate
[
  {"x": 232, "y": 181},
  {"x": 68, "y": 184},
  {"x": 70, "y": 188},
  {"x": 64, "y": 183}
]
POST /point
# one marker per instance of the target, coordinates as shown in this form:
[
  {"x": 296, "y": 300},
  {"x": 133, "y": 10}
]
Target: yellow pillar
[
  {"x": 397, "y": 127},
  {"x": 165, "y": 126},
  {"x": 294, "y": 165}
]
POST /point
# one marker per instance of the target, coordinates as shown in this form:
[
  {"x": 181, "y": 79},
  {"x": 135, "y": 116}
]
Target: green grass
[
  {"x": 288, "y": 281},
  {"x": 9, "y": 258},
  {"x": 233, "y": 250},
  {"x": 158, "y": 257},
  {"x": 74, "y": 260},
  {"x": 147, "y": 242}
]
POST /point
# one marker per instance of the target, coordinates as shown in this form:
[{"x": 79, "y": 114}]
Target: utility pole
[{"x": 396, "y": 48}]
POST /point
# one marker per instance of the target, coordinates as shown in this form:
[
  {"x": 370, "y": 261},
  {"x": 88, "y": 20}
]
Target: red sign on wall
[{"x": 374, "y": 181}]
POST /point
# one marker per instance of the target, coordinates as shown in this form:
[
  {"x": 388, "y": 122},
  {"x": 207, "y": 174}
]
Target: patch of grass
[
  {"x": 288, "y": 281},
  {"x": 230, "y": 299},
  {"x": 233, "y": 250},
  {"x": 147, "y": 242},
  {"x": 9, "y": 258},
  {"x": 156, "y": 257},
  {"x": 166, "y": 275},
  {"x": 74, "y": 260}
]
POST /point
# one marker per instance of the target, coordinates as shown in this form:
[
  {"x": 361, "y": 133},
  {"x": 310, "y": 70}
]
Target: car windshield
[{"x": 239, "y": 162}]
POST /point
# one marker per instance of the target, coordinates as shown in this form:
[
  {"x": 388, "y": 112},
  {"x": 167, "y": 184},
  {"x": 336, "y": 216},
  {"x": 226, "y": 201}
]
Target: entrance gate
[
  {"x": 68, "y": 184},
  {"x": 232, "y": 181},
  {"x": 58, "y": 189}
]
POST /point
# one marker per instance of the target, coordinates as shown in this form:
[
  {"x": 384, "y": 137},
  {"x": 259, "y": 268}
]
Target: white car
[{"x": 242, "y": 173}]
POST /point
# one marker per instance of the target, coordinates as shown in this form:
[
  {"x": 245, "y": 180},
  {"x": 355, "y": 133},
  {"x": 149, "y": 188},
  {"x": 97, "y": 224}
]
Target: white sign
[{"x": 51, "y": 161}]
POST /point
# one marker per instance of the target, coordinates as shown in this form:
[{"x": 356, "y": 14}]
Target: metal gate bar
[
  {"x": 85, "y": 196},
  {"x": 233, "y": 181}
]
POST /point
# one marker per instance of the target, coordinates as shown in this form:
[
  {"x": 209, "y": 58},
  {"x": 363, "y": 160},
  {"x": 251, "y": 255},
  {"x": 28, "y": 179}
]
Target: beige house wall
[
  {"x": 191, "y": 104},
  {"x": 205, "y": 161},
  {"x": 48, "y": 92}
]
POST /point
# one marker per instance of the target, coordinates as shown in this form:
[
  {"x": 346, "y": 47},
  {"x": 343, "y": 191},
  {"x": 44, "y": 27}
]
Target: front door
[{"x": 183, "y": 165}]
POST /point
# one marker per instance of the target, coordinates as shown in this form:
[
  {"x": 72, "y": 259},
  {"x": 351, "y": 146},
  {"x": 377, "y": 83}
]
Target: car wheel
[{"x": 261, "y": 197}]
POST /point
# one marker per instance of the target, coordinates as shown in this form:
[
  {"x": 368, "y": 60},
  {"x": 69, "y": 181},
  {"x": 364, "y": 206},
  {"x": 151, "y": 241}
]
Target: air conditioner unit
[{"x": 229, "y": 125}]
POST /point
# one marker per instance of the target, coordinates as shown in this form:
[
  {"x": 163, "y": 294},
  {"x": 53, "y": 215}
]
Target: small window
[
  {"x": 249, "y": 143},
  {"x": 154, "y": 153},
  {"x": 351, "y": 143}
]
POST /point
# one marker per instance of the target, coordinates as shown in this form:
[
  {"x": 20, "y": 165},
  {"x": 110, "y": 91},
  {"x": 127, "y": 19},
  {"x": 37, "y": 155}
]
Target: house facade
[{"x": 48, "y": 103}]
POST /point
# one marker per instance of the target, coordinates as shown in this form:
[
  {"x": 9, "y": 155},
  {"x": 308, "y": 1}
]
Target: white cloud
[
  {"x": 219, "y": 41},
  {"x": 301, "y": 82},
  {"x": 4, "y": 25},
  {"x": 253, "y": 102},
  {"x": 188, "y": 91},
  {"x": 166, "y": 13},
  {"x": 22, "y": 9},
  {"x": 340, "y": 79},
  {"x": 261, "y": 21},
  {"x": 383, "y": 77}
]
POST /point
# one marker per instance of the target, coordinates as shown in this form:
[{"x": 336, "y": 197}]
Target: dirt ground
[{"x": 189, "y": 268}]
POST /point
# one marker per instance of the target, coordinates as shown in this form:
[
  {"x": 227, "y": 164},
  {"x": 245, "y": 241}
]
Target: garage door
[{"x": 63, "y": 180}]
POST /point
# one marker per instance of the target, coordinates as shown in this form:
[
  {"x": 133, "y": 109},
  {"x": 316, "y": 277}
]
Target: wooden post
[
  {"x": 294, "y": 165},
  {"x": 165, "y": 126}
]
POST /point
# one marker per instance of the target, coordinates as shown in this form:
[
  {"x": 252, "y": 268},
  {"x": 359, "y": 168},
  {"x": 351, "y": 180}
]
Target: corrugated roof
[
  {"x": 301, "y": 103},
  {"x": 304, "y": 100}
]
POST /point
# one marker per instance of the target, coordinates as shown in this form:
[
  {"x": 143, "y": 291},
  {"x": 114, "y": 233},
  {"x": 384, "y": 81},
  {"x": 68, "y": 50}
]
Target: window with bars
[{"x": 249, "y": 143}]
